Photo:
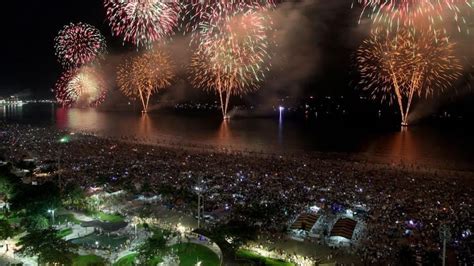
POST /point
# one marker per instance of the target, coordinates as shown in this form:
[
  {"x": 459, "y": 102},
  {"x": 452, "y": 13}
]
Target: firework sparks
[
  {"x": 143, "y": 75},
  {"x": 231, "y": 57},
  {"x": 195, "y": 12},
  {"x": 78, "y": 44},
  {"x": 142, "y": 22},
  {"x": 84, "y": 87},
  {"x": 391, "y": 15},
  {"x": 406, "y": 65}
]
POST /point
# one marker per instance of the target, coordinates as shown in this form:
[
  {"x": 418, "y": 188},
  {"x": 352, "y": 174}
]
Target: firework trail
[
  {"x": 231, "y": 57},
  {"x": 432, "y": 15},
  {"x": 142, "y": 22},
  {"x": 145, "y": 74},
  {"x": 84, "y": 87},
  {"x": 78, "y": 44},
  {"x": 407, "y": 65}
]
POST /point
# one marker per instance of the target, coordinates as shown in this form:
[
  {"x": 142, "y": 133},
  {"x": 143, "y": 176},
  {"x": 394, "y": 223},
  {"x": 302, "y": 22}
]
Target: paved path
[
  {"x": 79, "y": 231},
  {"x": 123, "y": 254}
]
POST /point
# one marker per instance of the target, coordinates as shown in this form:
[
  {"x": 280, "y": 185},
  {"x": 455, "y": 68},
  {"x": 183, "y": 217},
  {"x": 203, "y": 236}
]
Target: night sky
[
  {"x": 29, "y": 29},
  {"x": 327, "y": 41}
]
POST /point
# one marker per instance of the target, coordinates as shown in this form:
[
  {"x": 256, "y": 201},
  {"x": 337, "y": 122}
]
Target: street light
[
  {"x": 200, "y": 203},
  {"x": 445, "y": 236},
  {"x": 51, "y": 211},
  {"x": 199, "y": 188},
  {"x": 62, "y": 140}
]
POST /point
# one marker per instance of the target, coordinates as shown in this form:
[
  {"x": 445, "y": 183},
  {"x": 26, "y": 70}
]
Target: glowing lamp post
[
  {"x": 445, "y": 236},
  {"x": 62, "y": 140},
  {"x": 51, "y": 211},
  {"x": 200, "y": 203},
  {"x": 199, "y": 188}
]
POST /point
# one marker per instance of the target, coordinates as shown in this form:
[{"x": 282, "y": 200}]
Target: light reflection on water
[{"x": 452, "y": 147}]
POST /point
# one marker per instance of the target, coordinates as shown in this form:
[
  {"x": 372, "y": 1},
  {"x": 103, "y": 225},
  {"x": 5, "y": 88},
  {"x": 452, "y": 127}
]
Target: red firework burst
[{"x": 78, "y": 44}]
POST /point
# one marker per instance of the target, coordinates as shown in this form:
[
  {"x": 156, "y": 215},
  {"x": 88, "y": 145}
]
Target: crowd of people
[{"x": 404, "y": 205}]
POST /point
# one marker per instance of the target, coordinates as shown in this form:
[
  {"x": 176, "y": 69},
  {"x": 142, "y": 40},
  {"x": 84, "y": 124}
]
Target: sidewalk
[{"x": 79, "y": 231}]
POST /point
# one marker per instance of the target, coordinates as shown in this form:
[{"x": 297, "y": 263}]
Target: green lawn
[
  {"x": 126, "y": 260},
  {"x": 88, "y": 260},
  {"x": 249, "y": 255},
  {"x": 154, "y": 261},
  {"x": 189, "y": 254},
  {"x": 129, "y": 259},
  {"x": 68, "y": 217},
  {"x": 112, "y": 218},
  {"x": 65, "y": 232}
]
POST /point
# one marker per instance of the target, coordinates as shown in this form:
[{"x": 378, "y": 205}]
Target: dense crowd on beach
[{"x": 404, "y": 205}]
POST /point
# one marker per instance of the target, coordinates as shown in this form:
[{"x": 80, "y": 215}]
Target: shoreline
[{"x": 379, "y": 161}]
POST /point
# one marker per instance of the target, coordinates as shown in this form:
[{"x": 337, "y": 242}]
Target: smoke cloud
[{"x": 303, "y": 32}]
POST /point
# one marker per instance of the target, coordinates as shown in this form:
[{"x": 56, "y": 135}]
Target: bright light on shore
[{"x": 181, "y": 228}]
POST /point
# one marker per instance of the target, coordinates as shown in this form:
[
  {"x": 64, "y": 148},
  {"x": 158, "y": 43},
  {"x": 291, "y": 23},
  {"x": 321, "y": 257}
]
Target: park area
[
  {"x": 96, "y": 240},
  {"x": 189, "y": 254},
  {"x": 257, "y": 259},
  {"x": 88, "y": 260}
]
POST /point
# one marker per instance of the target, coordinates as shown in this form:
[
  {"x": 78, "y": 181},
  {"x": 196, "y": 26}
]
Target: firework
[
  {"x": 143, "y": 75},
  {"x": 406, "y": 65},
  {"x": 84, "y": 87},
  {"x": 195, "y": 12},
  {"x": 63, "y": 95},
  {"x": 142, "y": 22},
  {"x": 231, "y": 57},
  {"x": 391, "y": 15},
  {"x": 78, "y": 44}
]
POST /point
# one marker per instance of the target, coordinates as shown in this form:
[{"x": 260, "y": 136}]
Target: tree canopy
[
  {"x": 48, "y": 246},
  {"x": 154, "y": 245},
  {"x": 6, "y": 229}
]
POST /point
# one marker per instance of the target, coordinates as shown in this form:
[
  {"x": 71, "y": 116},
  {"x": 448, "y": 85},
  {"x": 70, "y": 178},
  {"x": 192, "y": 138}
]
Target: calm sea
[{"x": 452, "y": 147}]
